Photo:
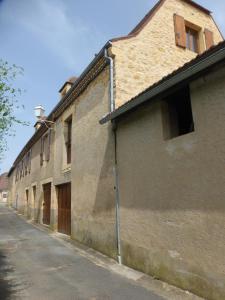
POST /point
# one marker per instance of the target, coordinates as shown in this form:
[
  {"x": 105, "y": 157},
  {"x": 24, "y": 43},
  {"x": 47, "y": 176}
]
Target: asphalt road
[{"x": 34, "y": 265}]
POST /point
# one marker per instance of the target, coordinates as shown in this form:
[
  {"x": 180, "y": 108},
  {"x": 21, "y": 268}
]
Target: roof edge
[
  {"x": 208, "y": 59},
  {"x": 134, "y": 32},
  {"x": 66, "y": 82},
  {"x": 50, "y": 117}
]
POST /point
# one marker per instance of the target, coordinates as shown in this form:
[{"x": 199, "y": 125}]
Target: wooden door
[
  {"x": 64, "y": 208},
  {"x": 47, "y": 203}
]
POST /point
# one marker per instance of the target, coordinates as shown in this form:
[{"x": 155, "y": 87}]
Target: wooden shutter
[
  {"x": 48, "y": 140},
  {"x": 209, "y": 41},
  {"x": 41, "y": 152},
  {"x": 29, "y": 162},
  {"x": 180, "y": 34}
]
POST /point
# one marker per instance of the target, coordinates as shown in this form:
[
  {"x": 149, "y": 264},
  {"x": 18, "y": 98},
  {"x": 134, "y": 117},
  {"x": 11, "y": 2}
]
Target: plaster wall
[
  {"x": 172, "y": 193},
  {"x": 38, "y": 176},
  {"x": 90, "y": 172},
  {"x": 93, "y": 208},
  {"x": 3, "y": 196}
]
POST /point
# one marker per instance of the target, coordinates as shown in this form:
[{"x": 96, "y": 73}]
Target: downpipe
[
  {"x": 115, "y": 168},
  {"x": 111, "y": 84},
  {"x": 117, "y": 196}
]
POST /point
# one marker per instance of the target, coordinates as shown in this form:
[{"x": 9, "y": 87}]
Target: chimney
[{"x": 39, "y": 114}]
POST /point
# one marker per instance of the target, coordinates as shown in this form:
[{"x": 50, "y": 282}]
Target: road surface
[{"x": 35, "y": 265}]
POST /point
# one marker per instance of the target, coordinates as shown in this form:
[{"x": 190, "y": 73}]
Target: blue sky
[{"x": 54, "y": 39}]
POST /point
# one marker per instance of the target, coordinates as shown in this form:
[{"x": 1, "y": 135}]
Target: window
[
  {"x": 27, "y": 196},
  {"x": 34, "y": 192},
  {"x": 177, "y": 114},
  {"x": 17, "y": 173},
  {"x": 42, "y": 152},
  {"x": 68, "y": 139},
  {"x": 191, "y": 36},
  {"x": 27, "y": 163},
  {"x": 21, "y": 169},
  {"x": 45, "y": 147},
  {"x": 192, "y": 39}
]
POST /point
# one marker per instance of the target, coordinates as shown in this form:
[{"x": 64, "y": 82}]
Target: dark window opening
[
  {"x": 177, "y": 114},
  {"x": 192, "y": 39},
  {"x": 34, "y": 192},
  {"x": 69, "y": 140}
]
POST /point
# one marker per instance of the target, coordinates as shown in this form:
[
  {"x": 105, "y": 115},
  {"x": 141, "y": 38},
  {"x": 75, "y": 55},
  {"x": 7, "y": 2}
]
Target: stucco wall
[
  {"x": 90, "y": 172},
  {"x": 143, "y": 60},
  {"x": 93, "y": 209},
  {"x": 38, "y": 176},
  {"x": 3, "y": 196},
  {"x": 172, "y": 193}
]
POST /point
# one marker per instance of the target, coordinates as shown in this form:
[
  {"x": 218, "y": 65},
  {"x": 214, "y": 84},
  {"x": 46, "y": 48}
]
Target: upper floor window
[
  {"x": 190, "y": 36},
  {"x": 45, "y": 147},
  {"x": 27, "y": 162},
  {"x": 177, "y": 114},
  {"x": 68, "y": 139}
]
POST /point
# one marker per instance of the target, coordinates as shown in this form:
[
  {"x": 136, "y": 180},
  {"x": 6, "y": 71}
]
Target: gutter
[
  {"x": 111, "y": 74},
  {"x": 168, "y": 82},
  {"x": 83, "y": 74},
  {"x": 115, "y": 168}
]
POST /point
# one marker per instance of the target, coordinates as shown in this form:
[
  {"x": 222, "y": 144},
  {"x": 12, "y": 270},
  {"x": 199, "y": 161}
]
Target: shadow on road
[{"x": 7, "y": 287}]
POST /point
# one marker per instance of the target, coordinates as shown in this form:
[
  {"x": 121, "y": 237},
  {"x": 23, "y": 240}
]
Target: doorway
[
  {"x": 64, "y": 208},
  {"x": 27, "y": 204},
  {"x": 47, "y": 203}
]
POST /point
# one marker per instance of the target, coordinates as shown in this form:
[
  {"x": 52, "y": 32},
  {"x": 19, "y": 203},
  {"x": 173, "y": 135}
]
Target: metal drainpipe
[
  {"x": 117, "y": 200},
  {"x": 111, "y": 75}
]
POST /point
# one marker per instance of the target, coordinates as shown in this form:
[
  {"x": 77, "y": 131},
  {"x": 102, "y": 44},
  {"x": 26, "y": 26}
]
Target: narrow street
[{"x": 34, "y": 265}]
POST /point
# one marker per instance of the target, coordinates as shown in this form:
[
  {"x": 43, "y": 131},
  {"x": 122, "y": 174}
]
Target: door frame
[
  {"x": 66, "y": 227},
  {"x": 46, "y": 214}
]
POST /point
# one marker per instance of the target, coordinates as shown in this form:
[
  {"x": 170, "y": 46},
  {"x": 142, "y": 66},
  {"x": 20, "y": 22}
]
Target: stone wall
[{"x": 143, "y": 60}]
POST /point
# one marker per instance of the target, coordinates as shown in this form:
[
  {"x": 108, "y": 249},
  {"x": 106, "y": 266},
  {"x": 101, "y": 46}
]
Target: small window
[
  {"x": 188, "y": 35},
  {"x": 34, "y": 192},
  {"x": 192, "y": 39},
  {"x": 45, "y": 148},
  {"x": 177, "y": 114},
  {"x": 68, "y": 140}
]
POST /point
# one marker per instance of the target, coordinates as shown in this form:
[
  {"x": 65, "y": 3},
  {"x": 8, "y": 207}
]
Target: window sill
[{"x": 182, "y": 137}]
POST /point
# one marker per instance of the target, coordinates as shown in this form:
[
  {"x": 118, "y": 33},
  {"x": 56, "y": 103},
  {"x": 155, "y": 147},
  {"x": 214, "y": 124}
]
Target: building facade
[
  {"x": 4, "y": 187},
  {"x": 170, "y": 152},
  {"x": 67, "y": 175}
]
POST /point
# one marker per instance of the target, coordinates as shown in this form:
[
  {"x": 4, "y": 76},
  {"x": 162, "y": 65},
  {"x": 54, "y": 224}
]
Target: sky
[{"x": 56, "y": 39}]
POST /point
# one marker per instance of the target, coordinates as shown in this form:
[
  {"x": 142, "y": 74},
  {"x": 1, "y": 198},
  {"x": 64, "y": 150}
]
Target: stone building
[
  {"x": 66, "y": 176},
  {"x": 170, "y": 153},
  {"x": 3, "y": 187}
]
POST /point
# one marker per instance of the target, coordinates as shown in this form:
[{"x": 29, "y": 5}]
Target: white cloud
[{"x": 49, "y": 22}]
